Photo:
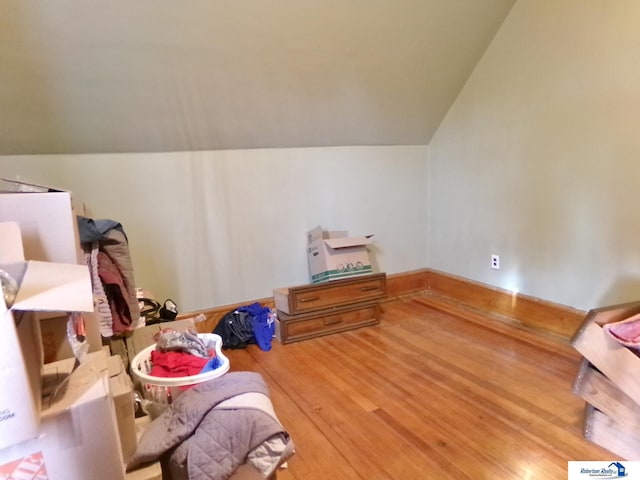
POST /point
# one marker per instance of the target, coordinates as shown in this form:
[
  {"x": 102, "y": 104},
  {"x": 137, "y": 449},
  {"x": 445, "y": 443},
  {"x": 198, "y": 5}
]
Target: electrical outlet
[{"x": 495, "y": 262}]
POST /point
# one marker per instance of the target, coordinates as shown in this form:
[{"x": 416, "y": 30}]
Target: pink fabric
[{"x": 626, "y": 332}]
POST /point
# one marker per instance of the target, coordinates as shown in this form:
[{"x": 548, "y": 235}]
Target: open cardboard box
[
  {"x": 47, "y": 219},
  {"x": 78, "y": 435},
  {"x": 333, "y": 255},
  {"x": 42, "y": 287},
  {"x": 49, "y": 233},
  {"x": 120, "y": 386}
]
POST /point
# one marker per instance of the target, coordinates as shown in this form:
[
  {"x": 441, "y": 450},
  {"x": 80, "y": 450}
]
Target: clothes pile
[
  {"x": 246, "y": 325},
  {"x": 182, "y": 354}
]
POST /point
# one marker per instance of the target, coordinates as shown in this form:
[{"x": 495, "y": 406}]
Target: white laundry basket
[{"x": 164, "y": 390}]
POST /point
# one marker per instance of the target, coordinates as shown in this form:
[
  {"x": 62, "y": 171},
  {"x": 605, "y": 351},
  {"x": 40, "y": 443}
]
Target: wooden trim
[
  {"x": 528, "y": 311},
  {"x": 447, "y": 289},
  {"x": 407, "y": 283}
]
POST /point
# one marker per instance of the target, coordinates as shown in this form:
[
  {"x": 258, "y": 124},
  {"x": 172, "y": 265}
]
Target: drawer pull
[
  {"x": 308, "y": 299},
  {"x": 332, "y": 321},
  {"x": 369, "y": 289}
]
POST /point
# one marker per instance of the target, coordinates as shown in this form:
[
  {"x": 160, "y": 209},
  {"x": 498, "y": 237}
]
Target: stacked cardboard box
[
  {"x": 609, "y": 382},
  {"x": 49, "y": 230},
  {"x": 63, "y": 419},
  {"x": 86, "y": 422},
  {"x": 333, "y": 255}
]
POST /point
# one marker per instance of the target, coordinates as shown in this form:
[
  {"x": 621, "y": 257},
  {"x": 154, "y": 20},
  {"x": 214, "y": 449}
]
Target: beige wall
[
  {"x": 538, "y": 159},
  {"x": 212, "y": 228},
  {"x": 164, "y": 76}
]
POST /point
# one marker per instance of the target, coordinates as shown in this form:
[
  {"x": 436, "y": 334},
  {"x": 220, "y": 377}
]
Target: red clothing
[
  {"x": 175, "y": 364},
  {"x": 115, "y": 289}
]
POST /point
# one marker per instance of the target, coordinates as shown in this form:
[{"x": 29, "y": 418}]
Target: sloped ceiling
[{"x": 89, "y": 76}]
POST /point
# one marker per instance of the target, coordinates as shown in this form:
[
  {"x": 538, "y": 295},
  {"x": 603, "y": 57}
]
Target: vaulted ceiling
[{"x": 90, "y": 76}]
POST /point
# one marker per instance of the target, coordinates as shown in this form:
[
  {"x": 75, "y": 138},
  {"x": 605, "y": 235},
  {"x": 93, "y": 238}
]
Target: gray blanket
[{"x": 197, "y": 441}]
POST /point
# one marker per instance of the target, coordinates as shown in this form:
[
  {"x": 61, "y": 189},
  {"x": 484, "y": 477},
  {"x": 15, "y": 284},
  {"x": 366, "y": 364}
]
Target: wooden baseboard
[
  {"x": 407, "y": 283},
  {"x": 517, "y": 308},
  {"x": 528, "y": 311}
]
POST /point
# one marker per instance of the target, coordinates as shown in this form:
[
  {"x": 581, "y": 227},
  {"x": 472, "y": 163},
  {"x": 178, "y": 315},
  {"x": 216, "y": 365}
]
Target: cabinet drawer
[
  {"x": 310, "y": 298},
  {"x": 305, "y": 326}
]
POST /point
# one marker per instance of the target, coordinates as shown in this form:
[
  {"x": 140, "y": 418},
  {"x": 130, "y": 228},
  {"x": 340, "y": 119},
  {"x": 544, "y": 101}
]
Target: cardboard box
[
  {"x": 152, "y": 471},
  {"x": 77, "y": 439},
  {"x": 334, "y": 255},
  {"x": 42, "y": 286},
  {"x": 69, "y": 373},
  {"x": 47, "y": 220},
  {"x": 48, "y": 225},
  {"x": 120, "y": 387},
  {"x": 19, "y": 376},
  {"x": 55, "y": 341},
  {"x": 617, "y": 362},
  {"x": 149, "y": 472}
]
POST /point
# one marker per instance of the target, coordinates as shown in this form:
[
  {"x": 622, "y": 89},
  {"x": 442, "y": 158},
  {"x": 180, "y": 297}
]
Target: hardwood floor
[{"x": 426, "y": 394}]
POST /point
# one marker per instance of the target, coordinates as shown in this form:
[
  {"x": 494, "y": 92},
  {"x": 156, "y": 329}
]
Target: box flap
[
  {"x": 94, "y": 362},
  {"x": 317, "y": 233},
  {"x": 67, "y": 374},
  {"x": 120, "y": 382},
  {"x": 95, "y": 386},
  {"x": 347, "y": 242},
  {"x": 59, "y": 287},
  {"x": 47, "y": 223},
  {"x": 314, "y": 234},
  {"x": 115, "y": 366},
  {"x": 28, "y": 187},
  {"x": 11, "y": 248}
]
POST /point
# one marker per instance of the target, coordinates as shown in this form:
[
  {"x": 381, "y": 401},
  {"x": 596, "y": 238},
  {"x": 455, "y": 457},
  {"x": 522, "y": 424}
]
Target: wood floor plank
[
  {"x": 430, "y": 392},
  {"x": 309, "y": 440}
]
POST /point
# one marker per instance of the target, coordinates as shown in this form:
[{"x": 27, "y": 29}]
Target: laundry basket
[{"x": 164, "y": 390}]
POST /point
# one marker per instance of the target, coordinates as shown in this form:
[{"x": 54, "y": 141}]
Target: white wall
[
  {"x": 538, "y": 159},
  {"x": 217, "y": 227}
]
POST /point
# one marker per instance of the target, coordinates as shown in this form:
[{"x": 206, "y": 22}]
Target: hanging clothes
[{"x": 115, "y": 270}]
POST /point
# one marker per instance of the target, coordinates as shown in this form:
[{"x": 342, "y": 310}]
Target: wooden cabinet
[
  {"x": 314, "y": 297},
  {"x": 308, "y": 311}
]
